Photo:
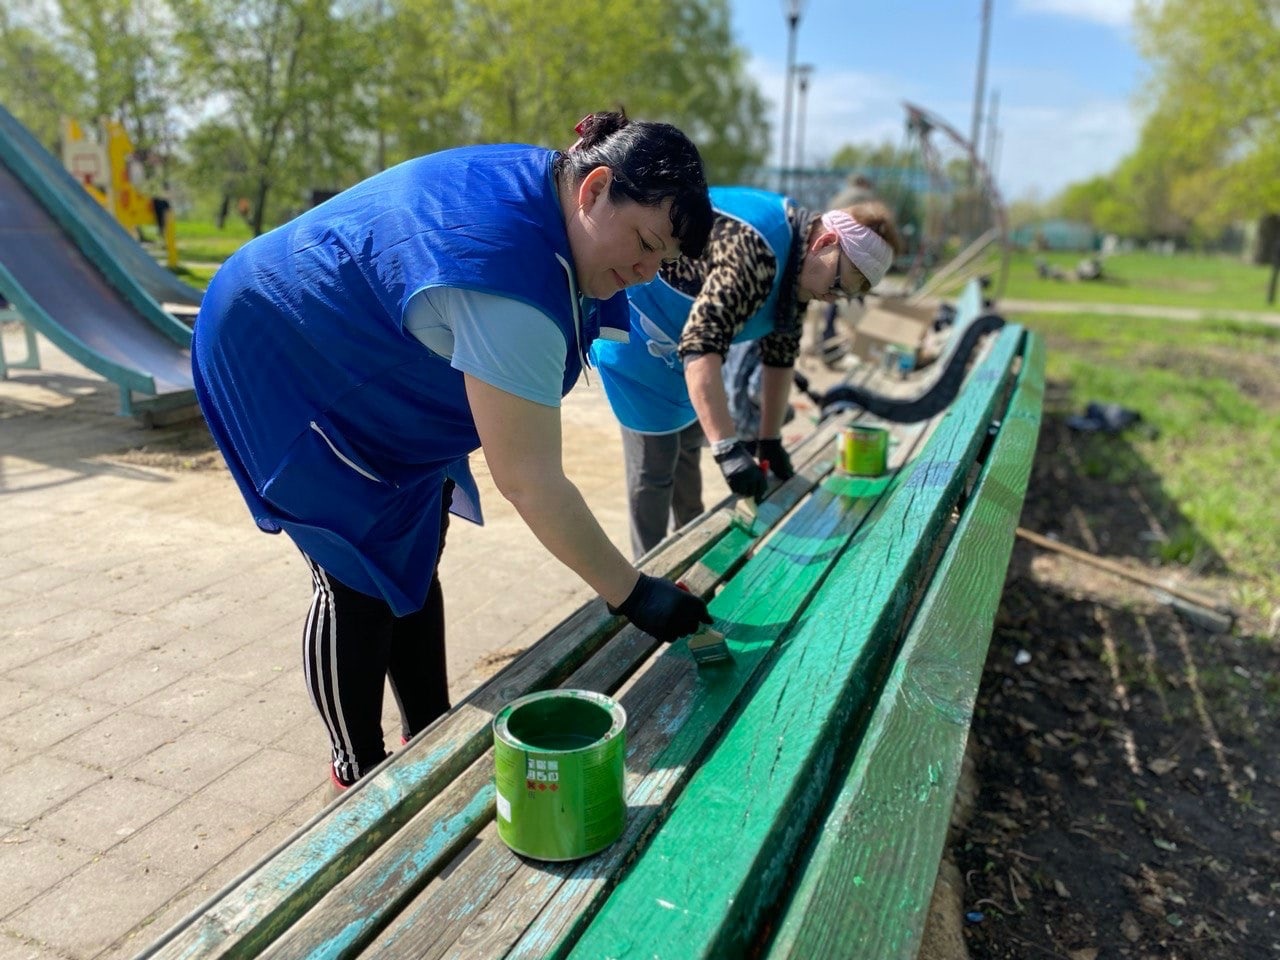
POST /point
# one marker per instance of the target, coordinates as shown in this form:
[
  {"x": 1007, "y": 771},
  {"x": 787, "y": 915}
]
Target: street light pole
[
  {"x": 791, "y": 10},
  {"x": 978, "y": 92},
  {"x": 803, "y": 72}
]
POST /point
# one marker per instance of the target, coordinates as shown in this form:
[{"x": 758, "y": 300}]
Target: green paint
[
  {"x": 871, "y": 873},
  {"x": 857, "y": 486}
]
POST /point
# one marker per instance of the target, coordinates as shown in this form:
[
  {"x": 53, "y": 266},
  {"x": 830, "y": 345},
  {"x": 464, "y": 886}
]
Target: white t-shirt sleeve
[{"x": 506, "y": 343}]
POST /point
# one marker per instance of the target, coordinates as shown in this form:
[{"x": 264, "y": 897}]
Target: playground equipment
[
  {"x": 58, "y": 271},
  {"x": 949, "y": 210},
  {"x": 107, "y": 166}
]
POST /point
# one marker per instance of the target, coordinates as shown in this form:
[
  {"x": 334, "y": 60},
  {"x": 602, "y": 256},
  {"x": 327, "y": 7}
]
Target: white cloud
[
  {"x": 1042, "y": 148},
  {"x": 841, "y": 107},
  {"x": 1046, "y": 149},
  {"x": 1113, "y": 13}
]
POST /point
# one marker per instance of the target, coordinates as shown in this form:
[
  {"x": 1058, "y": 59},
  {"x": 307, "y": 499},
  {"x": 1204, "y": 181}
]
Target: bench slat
[
  {"x": 676, "y": 710},
  {"x": 743, "y": 816},
  {"x": 872, "y": 872},
  {"x": 285, "y": 889},
  {"x": 251, "y": 912}
]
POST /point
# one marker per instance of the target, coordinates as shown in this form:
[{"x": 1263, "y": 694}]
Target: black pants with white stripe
[{"x": 353, "y": 644}]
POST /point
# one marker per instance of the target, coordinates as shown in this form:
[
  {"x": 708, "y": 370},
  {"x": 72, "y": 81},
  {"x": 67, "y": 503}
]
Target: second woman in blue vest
[
  {"x": 349, "y": 361},
  {"x": 766, "y": 259}
]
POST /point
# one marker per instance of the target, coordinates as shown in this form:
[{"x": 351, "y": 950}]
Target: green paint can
[
  {"x": 864, "y": 451},
  {"x": 559, "y": 773}
]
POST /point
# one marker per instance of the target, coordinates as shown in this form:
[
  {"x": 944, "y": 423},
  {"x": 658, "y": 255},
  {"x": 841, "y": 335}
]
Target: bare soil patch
[{"x": 1129, "y": 782}]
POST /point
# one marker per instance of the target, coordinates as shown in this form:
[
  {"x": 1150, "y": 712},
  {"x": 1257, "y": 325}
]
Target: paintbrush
[{"x": 708, "y": 646}]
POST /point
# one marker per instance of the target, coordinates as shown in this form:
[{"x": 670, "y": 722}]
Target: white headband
[{"x": 868, "y": 250}]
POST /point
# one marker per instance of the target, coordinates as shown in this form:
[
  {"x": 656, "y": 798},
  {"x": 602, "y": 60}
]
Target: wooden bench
[{"x": 787, "y": 804}]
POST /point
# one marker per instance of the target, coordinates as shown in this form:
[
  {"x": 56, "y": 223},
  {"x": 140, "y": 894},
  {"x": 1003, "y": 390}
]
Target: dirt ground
[{"x": 1128, "y": 775}]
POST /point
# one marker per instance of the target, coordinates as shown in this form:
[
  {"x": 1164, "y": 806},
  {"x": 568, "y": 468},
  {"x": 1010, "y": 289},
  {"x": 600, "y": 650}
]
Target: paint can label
[
  {"x": 864, "y": 451},
  {"x": 559, "y": 779}
]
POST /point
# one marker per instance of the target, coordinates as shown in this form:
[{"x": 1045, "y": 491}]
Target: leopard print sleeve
[{"x": 729, "y": 283}]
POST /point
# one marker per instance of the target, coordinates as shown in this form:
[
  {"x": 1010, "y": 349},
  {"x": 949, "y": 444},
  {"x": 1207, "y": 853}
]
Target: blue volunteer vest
[
  {"x": 644, "y": 377},
  {"x": 338, "y": 425}
]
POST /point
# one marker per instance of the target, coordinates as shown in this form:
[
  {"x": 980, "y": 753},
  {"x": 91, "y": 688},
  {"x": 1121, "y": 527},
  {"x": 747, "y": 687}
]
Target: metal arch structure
[{"x": 921, "y": 127}]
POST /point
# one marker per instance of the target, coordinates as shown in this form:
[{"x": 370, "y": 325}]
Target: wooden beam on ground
[{"x": 1223, "y": 610}]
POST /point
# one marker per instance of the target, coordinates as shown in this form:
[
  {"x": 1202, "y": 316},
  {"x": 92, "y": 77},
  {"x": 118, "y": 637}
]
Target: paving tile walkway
[{"x": 156, "y": 734}]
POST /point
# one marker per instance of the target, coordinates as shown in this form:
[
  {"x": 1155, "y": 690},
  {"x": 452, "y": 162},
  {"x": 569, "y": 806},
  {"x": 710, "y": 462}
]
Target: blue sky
[{"x": 1066, "y": 72}]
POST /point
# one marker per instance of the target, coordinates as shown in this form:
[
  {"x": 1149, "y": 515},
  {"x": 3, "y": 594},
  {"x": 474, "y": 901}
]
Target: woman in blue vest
[
  {"x": 766, "y": 259},
  {"x": 349, "y": 361}
]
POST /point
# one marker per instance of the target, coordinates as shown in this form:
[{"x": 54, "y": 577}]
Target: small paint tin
[
  {"x": 559, "y": 773},
  {"x": 864, "y": 451}
]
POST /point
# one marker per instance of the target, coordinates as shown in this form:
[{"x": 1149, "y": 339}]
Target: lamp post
[
  {"x": 803, "y": 72},
  {"x": 791, "y": 9}
]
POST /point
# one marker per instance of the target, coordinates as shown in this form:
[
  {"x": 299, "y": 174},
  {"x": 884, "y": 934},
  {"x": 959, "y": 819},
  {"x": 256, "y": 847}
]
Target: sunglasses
[{"x": 839, "y": 290}]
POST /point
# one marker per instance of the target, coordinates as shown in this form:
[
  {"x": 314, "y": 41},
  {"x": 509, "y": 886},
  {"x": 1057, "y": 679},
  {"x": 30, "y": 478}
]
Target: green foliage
[
  {"x": 281, "y": 97},
  {"x": 1210, "y": 434},
  {"x": 871, "y": 156},
  {"x": 37, "y": 81},
  {"x": 1214, "y": 136}
]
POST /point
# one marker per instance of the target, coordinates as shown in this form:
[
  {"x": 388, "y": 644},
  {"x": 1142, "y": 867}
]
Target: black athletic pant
[{"x": 352, "y": 644}]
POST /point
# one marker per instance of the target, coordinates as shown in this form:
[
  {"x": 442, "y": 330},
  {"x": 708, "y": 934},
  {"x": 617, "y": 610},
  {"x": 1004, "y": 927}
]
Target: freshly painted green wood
[
  {"x": 870, "y": 877},
  {"x": 256, "y": 908},
  {"x": 703, "y": 886},
  {"x": 675, "y": 711},
  {"x": 567, "y": 913}
]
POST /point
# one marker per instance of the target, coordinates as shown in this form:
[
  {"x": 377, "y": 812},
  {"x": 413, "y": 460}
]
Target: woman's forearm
[
  {"x": 706, "y": 391},
  {"x": 775, "y": 388},
  {"x": 553, "y": 508}
]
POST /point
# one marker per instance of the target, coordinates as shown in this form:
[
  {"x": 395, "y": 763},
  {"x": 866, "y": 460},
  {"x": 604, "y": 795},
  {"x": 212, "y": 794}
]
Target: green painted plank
[
  {"x": 871, "y": 875},
  {"x": 258, "y": 907},
  {"x": 721, "y": 860},
  {"x": 675, "y": 712}
]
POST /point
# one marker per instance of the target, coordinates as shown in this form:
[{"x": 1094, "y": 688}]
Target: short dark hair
[{"x": 651, "y": 162}]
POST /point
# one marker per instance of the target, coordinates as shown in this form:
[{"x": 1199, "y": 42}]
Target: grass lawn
[
  {"x": 202, "y": 245},
  {"x": 1209, "y": 396},
  {"x": 1180, "y": 280}
]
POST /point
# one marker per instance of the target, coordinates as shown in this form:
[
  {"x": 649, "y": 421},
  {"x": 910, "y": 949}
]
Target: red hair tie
[{"x": 582, "y": 123}]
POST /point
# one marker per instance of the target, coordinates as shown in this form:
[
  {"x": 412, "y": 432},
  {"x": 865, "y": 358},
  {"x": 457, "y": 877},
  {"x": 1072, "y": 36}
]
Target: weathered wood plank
[
  {"x": 261, "y": 907},
  {"x": 872, "y": 870},
  {"x": 743, "y": 816},
  {"x": 252, "y": 912},
  {"x": 676, "y": 711}
]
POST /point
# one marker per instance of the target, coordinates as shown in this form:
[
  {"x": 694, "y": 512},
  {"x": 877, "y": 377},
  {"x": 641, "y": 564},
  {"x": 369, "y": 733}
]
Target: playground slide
[
  {"x": 58, "y": 291},
  {"x": 16, "y": 142}
]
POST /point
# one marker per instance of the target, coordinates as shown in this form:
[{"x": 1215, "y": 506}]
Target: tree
[
  {"x": 527, "y": 70},
  {"x": 286, "y": 74},
  {"x": 1216, "y": 88},
  {"x": 37, "y": 82}
]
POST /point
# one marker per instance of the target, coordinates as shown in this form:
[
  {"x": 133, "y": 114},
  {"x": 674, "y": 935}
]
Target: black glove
[
  {"x": 779, "y": 463},
  {"x": 663, "y": 610},
  {"x": 742, "y": 473}
]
